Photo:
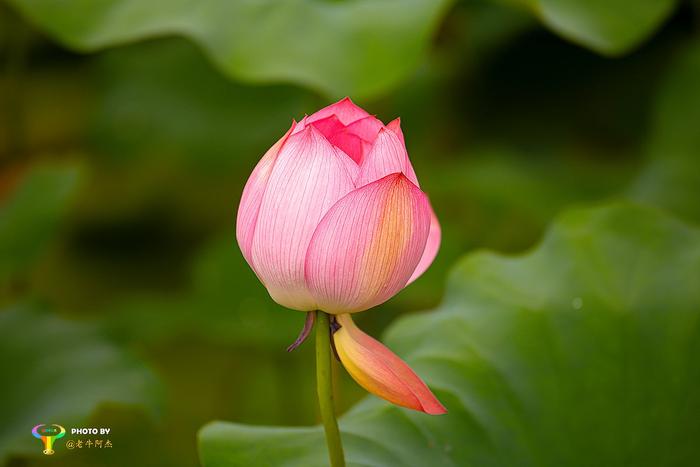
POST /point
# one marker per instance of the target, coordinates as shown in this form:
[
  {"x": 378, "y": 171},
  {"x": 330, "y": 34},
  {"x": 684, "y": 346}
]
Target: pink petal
[
  {"x": 309, "y": 177},
  {"x": 353, "y": 139},
  {"x": 388, "y": 155},
  {"x": 252, "y": 196},
  {"x": 345, "y": 109},
  {"x": 356, "y": 139},
  {"x": 329, "y": 126},
  {"x": 366, "y": 128},
  {"x": 395, "y": 126},
  {"x": 335, "y": 132},
  {"x": 301, "y": 126},
  {"x": 380, "y": 371},
  {"x": 368, "y": 245},
  {"x": 350, "y": 144},
  {"x": 431, "y": 247}
]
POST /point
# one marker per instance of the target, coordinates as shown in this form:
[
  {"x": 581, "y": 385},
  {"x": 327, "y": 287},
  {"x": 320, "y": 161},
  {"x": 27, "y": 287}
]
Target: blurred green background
[{"x": 128, "y": 129}]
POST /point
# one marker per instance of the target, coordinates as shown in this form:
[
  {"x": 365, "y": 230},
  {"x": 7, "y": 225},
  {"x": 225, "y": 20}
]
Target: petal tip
[
  {"x": 433, "y": 407},
  {"x": 385, "y": 131},
  {"x": 400, "y": 177},
  {"x": 311, "y": 133}
]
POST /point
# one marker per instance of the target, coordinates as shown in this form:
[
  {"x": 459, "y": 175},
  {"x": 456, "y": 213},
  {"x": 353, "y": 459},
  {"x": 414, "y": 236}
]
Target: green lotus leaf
[
  {"x": 671, "y": 178},
  {"x": 581, "y": 352},
  {"x": 359, "y": 47},
  {"x": 60, "y": 372}
]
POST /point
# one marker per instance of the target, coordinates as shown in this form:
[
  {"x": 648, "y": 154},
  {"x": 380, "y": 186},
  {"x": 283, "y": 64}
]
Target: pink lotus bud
[{"x": 332, "y": 217}]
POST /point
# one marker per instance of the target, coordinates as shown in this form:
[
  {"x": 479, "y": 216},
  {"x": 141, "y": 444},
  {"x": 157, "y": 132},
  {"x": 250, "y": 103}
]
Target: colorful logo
[{"x": 48, "y": 434}]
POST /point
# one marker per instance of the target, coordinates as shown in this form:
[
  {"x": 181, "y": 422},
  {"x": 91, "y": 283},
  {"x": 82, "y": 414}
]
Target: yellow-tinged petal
[
  {"x": 368, "y": 245},
  {"x": 380, "y": 371}
]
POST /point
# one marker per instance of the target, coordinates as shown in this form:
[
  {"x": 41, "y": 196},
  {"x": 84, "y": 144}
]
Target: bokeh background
[{"x": 126, "y": 136}]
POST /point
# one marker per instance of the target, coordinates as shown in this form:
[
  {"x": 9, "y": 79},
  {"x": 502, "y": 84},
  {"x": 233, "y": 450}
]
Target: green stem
[{"x": 325, "y": 389}]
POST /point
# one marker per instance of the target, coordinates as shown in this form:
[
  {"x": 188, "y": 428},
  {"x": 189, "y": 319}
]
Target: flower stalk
[{"x": 324, "y": 387}]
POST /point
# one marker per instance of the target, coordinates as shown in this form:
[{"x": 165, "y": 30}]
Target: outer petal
[
  {"x": 388, "y": 155},
  {"x": 309, "y": 177},
  {"x": 368, "y": 245},
  {"x": 301, "y": 126},
  {"x": 380, "y": 371},
  {"x": 395, "y": 126},
  {"x": 252, "y": 196},
  {"x": 345, "y": 109},
  {"x": 431, "y": 247}
]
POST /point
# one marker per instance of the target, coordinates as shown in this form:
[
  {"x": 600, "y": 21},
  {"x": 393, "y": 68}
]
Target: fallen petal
[{"x": 380, "y": 371}]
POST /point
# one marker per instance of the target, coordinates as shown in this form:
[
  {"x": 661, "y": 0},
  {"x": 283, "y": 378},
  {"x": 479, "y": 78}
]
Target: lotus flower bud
[{"x": 333, "y": 219}]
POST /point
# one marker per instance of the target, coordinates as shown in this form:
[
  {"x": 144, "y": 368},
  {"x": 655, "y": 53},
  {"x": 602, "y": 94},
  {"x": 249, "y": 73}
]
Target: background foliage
[
  {"x": 127, "y": 131},
  {"x": 554, "y": 358}
]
